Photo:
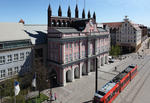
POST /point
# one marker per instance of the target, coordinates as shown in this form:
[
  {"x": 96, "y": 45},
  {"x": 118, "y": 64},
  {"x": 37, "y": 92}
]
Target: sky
[{"x": 35, "y": 11}]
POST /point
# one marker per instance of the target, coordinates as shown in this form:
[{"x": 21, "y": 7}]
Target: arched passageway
[
  {"x": 106, "y": 58},
  {"x": 102, "y": 61},
  {"x": 76, "y": 72},
  {"x": 92, "y": 65},
  {"x": 84, "y": 69},
  {"x": 63, "y": 23},
  {"x": 68, "y": 23},
  {"x": 68, "y": 76},
  {"x": 53, "y": 78}
]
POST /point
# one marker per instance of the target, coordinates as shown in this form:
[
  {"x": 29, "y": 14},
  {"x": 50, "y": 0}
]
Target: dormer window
[{"x": 1, "y": 46}]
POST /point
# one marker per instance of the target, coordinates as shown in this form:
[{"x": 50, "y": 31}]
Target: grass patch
[{"x": 38, "y": 99}]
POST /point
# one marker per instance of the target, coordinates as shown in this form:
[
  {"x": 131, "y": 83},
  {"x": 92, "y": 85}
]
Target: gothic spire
[
  {"x": 76, "y": 12},
  {"x": 83, "y": 13},
  {"x": 69, "y": 12},
  {"x": 59, "y": 11},
  {"x": 89, "y": 14},
  {"x": 94, "y": 16},
  {"x": 49, "y": 11}
]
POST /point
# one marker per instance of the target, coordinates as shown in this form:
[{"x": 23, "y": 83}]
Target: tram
[{"x": 112, "y": 89}]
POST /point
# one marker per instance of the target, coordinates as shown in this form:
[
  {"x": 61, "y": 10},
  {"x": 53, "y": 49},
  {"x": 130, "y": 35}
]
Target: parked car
[{"x": 111, "y": 61}]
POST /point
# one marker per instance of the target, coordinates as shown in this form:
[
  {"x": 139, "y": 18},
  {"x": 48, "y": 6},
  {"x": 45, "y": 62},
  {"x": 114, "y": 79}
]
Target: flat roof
[{"x": 12, "y": 31}]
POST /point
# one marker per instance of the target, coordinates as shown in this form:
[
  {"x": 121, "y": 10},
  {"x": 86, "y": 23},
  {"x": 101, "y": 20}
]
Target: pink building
[{"x": 74, "y": 44}]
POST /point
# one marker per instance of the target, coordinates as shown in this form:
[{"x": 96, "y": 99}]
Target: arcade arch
[
  {"x": 84, "y": 69},
  {"x": 76, "y": 72}
]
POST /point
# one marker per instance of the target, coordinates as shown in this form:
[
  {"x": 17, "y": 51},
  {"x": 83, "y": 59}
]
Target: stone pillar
[
  {"x": 88, "y": 67},
  {"x": 80, "y": 69},
  {"x": 72, "y": 74},
  {"x": 64, "y": 77},
  {"x": 80, "y": 52}
]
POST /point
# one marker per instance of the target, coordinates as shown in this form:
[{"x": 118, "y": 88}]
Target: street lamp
[{"x": 96, "y": 76}]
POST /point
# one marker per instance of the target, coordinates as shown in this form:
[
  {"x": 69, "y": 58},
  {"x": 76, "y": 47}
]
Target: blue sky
[{"x": 35, "y": 11}]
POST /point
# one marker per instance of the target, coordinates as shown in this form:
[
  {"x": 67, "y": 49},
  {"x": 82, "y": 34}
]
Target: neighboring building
[
  {"x": 148, "y": 30},
  {"x": 129, "y": 36},
  {"x": 38, "y": 36},
  {"x": 74, "y": 44},
  {"x": 144, "y": 32},
  {"x": 113, "y": 27},
  {"x": 126, "y": 34},
  {"x": 15, "y": 50}
]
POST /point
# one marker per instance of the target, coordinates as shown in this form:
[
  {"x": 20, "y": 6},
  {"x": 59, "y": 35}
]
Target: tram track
[{"x": 137, "y": 84}]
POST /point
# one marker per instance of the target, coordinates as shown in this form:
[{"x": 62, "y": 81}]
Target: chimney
[{"x": 22, "y": 21}]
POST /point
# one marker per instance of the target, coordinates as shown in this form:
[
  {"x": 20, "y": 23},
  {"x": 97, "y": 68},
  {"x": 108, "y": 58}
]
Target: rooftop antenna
[
  {"x": 84, "y": 5},
  {"x": 76, "y": 1}
]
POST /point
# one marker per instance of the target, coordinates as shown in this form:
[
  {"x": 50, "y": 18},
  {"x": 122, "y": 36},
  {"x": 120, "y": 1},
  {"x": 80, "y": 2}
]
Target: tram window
[
  {"x": 101, "y": 93},
  {"x": 113, "y": 93}
]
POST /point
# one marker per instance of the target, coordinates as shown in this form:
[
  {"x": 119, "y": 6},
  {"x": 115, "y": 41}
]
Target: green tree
[
  {"x": 41, "y": 75},
  {"x": 115, "y": 51}
]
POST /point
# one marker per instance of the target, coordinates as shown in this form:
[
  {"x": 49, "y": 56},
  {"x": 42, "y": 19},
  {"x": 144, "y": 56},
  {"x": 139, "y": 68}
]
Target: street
[{"x": 82, "y": 90}]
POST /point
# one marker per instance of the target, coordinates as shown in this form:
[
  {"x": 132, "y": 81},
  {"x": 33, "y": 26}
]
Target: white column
[
  {"x": 80, "y": 69},
  {"x": 64, "y": 77},
  {"x": 72, "y": 74},
  {"x": 80, "y": 47},
  {"x": 88, "y": 67}
]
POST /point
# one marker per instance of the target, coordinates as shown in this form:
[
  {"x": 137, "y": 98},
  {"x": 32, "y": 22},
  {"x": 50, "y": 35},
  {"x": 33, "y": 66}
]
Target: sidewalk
[{"x": 83, "y": 89}]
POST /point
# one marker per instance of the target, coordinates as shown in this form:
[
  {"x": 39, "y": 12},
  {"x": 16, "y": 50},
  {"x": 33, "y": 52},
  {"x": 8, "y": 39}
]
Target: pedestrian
[
  {"x": 55, "y": 96},
  {"x": 115, "y": 68}
]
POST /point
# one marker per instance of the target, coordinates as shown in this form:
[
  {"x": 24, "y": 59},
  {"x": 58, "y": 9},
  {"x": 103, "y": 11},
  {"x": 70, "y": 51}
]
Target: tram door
[
  {"x": 130, "y": 76},
  {"x": 119, "y": 87}
]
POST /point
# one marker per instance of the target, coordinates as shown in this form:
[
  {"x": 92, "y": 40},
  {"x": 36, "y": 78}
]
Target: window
[
  {"x": 75, "y": 44},
  {"x": 70, "y": 45},
  {"x": 1, "y": 46},
  {"x": 2, "y": 59},
  {"x": 66, "y": 58},
  {"x": 75, "y": 56},
  {"x": 9, "y": 71},
  {"x": 66, "y": 45},
  {"x": 21, "y": 56},
  {"x": 70, "y": 57},
  {"x": 16, "y": 70},
  {"x": 9, "y": 58},
  {"x": 27, "y": 54},
  {"x": 2, "y": 73},
  {"x": 15, "y": 57},
  {"x": 83, "y": 54}
]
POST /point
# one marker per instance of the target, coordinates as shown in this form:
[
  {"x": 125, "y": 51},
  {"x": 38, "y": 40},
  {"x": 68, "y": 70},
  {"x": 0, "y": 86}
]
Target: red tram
[{"x": 112, "y": 89}]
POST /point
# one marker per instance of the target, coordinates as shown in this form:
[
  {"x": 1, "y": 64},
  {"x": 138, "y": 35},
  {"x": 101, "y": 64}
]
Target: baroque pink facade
[{"x": 74, "y": 44}]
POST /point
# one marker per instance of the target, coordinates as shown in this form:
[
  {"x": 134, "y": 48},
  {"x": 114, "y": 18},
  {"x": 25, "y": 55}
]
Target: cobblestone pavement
[{"x": 82, "y": 90}]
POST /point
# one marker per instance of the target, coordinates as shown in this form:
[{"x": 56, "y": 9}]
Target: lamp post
[{"x": 96, "y": 76}]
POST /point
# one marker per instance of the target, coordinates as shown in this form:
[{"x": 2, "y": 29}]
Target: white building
[
  {"x": 128, "y": 36},
  {"x": 15, "y": 50}
]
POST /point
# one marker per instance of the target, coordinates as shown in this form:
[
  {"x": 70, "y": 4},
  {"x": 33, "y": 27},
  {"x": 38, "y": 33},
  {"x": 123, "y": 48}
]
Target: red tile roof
[{"x": 113, "y": 24}]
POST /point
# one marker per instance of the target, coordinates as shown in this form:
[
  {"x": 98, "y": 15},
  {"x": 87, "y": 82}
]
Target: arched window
[
  {"x": 63, "y": 23},
  {"x": 68, "y": 23},
  {"x": 58, "y": 23},
  {"x": 53, "y": 23}
]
